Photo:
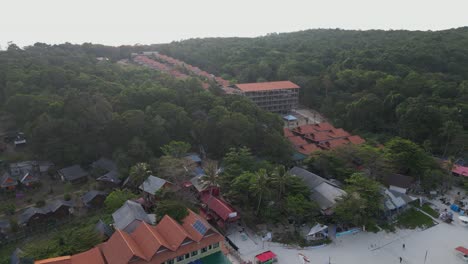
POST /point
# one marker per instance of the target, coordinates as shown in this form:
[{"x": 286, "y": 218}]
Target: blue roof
[
  {"x": 199, "y": 171},
  {"x": 194, "y": 157},
  {"x": 298, "y": 156},
  {"x": 290, "y": 118}
]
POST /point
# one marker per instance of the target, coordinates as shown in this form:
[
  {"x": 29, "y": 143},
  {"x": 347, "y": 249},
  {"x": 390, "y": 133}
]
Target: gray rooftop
[
  {"x": 111, "y": 176},
  {"x": 73, "y": 172},
  {"x": 128, "y": 213},
  {"x": 105, "y": 163},
  {"x": 323, "y": 192},
  {"x": 197, "y": 183},
  {"x": 103, "y": 229},
  {"x": 395, "y": 200},
  {"x": 89, "y": 196},
  {"x": 28, "y": 213},
  {"x": 54, "y": 205},
  {"x": 152, "y": 184}
]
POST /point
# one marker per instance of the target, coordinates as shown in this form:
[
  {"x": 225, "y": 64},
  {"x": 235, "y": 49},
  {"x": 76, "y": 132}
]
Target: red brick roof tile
[
  {"x": 298, "y": 141},
  {"x": 172, "y": 232}
]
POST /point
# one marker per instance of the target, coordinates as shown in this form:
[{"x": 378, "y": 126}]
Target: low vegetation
[{"x": 412, "y": 219}]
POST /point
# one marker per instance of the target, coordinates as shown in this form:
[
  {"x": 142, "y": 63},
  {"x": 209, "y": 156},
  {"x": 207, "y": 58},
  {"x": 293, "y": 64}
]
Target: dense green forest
[
  {"x": 74, "y": 109},
  {"x": 412, "y": 84}
]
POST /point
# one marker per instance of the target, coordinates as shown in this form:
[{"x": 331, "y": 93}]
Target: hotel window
[
  {"x": 171, "y": 261},
  {"x": 187, "y": 255},
  {"x": 194, "y": 253},
  {"x": 210, "y": 247},
  {"x": 216, "y": 245},
  {"x": 180, "y": 258},
  {"x": 203, "y": 250}
]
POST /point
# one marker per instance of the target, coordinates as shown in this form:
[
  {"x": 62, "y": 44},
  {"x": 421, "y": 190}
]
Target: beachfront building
[{"x": 278, "y": 97}]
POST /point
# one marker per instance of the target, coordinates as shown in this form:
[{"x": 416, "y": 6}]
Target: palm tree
[
  {"x": 211, "y": 177},
  {"x": 280, "y": 178},
  {"x": 259, "y": 186},
  {"x": 449, "y": 165},
  {"x": 139, "y": 173}
]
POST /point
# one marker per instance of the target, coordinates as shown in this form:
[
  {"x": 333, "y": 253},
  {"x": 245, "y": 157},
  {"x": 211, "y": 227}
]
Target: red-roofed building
[
  {"x": 288, "y": 133},
  {"x": 460, "y": 170},
  {"x": 167, "y": 242},
  {"x": 298, "y": 141},
  {"x": 218, "y": 210},
  {"x": 308, "y": 149},
  {"x": 309, "y": 138},
  {"x": 356, "y": 140},
  {"x": 277, "y": 97}
]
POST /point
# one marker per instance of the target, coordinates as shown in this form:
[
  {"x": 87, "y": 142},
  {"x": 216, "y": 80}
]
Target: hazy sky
[{"x": 119, "y": 22}]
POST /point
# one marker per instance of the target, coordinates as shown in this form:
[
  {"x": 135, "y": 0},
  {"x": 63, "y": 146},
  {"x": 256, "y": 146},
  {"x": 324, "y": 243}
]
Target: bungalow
[
  {"x": 74, "y": 174},
  {"x": 109, "y": 180},
  {"x": 152, "y": 185},
  {"x": 167, "y": 242},
  {"x": 32, "y": 216},
  {"x": 7, "y": 182},
  {"x": 218, "y": 210},
  {"x": 322, "y": 191},
  {"x": 399, "y": 183},
  {"x": 394, "y": 202},
  {"x": 128, "y": 217},
  {"x": 58, "y": 209},
  {"x": 94, "y": 199},
  {"x": 103, "y": 229},
  {"x": 29, "y": 180},
  {"x": 201, "y": 188},
  {"x": 194, "y": 158}
]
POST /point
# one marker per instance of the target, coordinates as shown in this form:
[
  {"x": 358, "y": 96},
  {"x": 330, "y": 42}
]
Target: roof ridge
[
  {"x": 155, "y": 234},
  {"x": 121, "y": 233},
  {"x": 187, "y": 235}
]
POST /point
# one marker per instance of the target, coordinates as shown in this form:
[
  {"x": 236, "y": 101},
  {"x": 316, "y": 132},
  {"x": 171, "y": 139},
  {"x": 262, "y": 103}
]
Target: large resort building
[
  {"x": 169, "y": 242},
  {"x": 278, "y": 97}
]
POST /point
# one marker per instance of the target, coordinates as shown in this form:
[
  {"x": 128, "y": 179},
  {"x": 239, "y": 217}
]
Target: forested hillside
[
  {"x": 74, "y": 109},
  {"x": 412, "y": 84}
]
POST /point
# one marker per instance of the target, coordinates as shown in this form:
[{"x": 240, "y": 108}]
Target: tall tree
[{"x": 259, "y": 187}]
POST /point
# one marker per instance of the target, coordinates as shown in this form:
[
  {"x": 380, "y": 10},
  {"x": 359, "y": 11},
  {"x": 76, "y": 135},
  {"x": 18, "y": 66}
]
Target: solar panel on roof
[{"x": 200, "y": 227}]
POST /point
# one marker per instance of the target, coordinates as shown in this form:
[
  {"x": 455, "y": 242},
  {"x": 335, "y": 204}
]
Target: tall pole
[{"x": 425, "y": 258}]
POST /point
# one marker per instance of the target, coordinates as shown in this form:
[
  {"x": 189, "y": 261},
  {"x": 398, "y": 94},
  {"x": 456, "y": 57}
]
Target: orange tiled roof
[
  {"x": 190, "y": 220},
  {"x": 298, "y": 141},
  {"x": 288, "y": 133},
  {"x": 322, "y": 135},
  {"x": 356, "y": 140},
  {"x": 93, "y": 256},
  {"x": 337, "y": 133},
  {"x": 307, "y": 149},
  {"x": 174, "y": 233},
  {"x": 265, "y": 86},
  {"x": 57, "y": 260},
  {"x": 147, "y": 244},
  {"x": 121, "y": 248},
  {"x": 149, "y": 240}
]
